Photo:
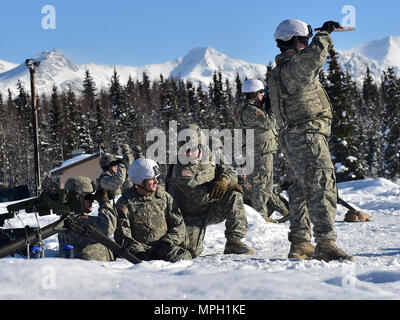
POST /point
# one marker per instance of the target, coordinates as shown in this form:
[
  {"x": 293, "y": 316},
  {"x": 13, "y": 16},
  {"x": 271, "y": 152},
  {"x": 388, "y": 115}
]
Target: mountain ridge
[{"x": 198, "y": 66}]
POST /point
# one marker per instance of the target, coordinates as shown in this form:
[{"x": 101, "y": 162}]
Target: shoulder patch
[
  {"x": 121, "y": 208},
  {"x": 186, "y": 173},
  {"x": 259, "y": 113}
]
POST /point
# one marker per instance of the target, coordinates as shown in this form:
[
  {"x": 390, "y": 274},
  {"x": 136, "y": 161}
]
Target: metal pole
[{"x": 31, "y": 65}]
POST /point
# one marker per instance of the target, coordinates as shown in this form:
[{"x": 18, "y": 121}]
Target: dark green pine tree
[
  {"x": 103, "y": 139},
  {"x": 119, "y": 112},
  {"x": 13, "y": 140},
  {"x": 202, "y": 107},
  {"x": 239, "y": 97},
  {"x": 135, "y": 128},
  {"x": 231, "y": 111},
  {"x": 218, "y": 101},
  {"x": 390, "y": 91},
  {"x": 72, "y": 131},
  {"x": 343, "y": 95},
  {"x": 3, "y": 144},
  {"x": 88, "y": 120},
  {"x": 56, "y": 152},
  {"x": 169, "y": 105},
  {"x": 184, "y": 110},
  {"x": 371, "y": 137},
  {"x": 24, "y": 159}
]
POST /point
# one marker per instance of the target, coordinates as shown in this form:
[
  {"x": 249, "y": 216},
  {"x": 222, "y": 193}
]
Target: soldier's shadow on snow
[{"x": 388, "y": 252}]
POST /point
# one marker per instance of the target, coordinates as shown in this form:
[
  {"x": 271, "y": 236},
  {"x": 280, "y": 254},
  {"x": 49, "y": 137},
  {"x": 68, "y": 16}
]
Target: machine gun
[
  {"x": 46, "y": 203},
  {"x": 62, "y": 203}
]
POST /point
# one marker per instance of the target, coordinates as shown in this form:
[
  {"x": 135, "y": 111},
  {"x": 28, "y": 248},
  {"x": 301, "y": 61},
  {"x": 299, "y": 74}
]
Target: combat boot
[
  {"x": 327, "y": 250},
  {"x": 235, "y": 246},
  {"x": 301, "y": 250}
]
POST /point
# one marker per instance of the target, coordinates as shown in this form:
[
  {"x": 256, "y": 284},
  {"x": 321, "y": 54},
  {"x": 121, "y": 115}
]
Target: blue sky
[{"x": 131, "y": 32}]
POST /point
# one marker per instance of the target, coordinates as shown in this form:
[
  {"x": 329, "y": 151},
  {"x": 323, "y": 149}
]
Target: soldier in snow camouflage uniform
[
  {"x": 304, "y": 116},
  {"x": 263, "y": 198},
  {"x": 150, "y": 223},
  {"x": 113, "y": 176},
  {"x": 207, "y": 193},
  {"x": 106, "y": 221}
]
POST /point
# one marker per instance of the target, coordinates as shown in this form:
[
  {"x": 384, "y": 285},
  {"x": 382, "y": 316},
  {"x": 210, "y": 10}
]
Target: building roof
[{"x": 75, "y": 161}]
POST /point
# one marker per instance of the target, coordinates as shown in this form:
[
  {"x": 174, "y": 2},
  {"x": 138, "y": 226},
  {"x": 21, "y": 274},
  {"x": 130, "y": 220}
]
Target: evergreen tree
[
  {"x": 3, "y": 144},
  {"x": 390, "y": 91},
  {"x": 118, "y": 107},
  {"x": 202, "y": 107},
  {"x": 342, "y": 92},
  {"x": 370, "y": 124},
  {"x": 56, "y": 129}
]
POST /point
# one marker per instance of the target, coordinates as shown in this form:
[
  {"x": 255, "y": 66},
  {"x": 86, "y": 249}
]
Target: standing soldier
[
  {"x": 150, "y": 223},
  {"x": 138, "y": 153},
  {"x": 127, "y": 160},
  {"x": 304, "y": 117},
  {"x": 113, "y": 176},
  {"x": 207, "y": 193},
  {"x": 106, "y": 221},
  {"x": 252, "y": 116}
]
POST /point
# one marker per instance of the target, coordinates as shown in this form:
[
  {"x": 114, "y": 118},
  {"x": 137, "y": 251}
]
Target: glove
[
  {"x": 160, "y": 250},
  {"x": 329, "y": 26},
  {"x": 356, "y": 216},
  {"x": 236, "y": 187},
  {"x": 219, "y": 188},
  {"x": 102, "y": 196}
]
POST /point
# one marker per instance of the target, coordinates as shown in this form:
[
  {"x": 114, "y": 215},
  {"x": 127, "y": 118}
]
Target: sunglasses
[
  {"x": 303, "y": 40},
  {"x": 89, "y": 196}
]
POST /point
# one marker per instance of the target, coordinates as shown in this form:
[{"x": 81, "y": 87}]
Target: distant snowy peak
[
  {"x": 198, "y": 66},
  {"x": 378, "y": 55},
  {"x": 5, "y": 66}
]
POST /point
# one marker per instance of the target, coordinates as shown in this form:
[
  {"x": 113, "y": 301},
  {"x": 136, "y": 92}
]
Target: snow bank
[{"x": 266, "y": 275}]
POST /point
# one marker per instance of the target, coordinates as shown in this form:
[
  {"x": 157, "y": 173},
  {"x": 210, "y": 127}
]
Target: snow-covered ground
[{"x": 266, "y": 275}]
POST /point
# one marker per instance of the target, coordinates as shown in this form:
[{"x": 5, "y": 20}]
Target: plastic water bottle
[
  {"x": 68, "y": 251},
  {"x": 35, "y": 252}
]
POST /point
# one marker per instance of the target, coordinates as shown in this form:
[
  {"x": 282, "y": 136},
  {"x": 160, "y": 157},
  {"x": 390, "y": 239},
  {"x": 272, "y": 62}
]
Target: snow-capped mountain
[
  {"x": 378, "y": 55},
  {"x": 197, "y": 66},
  {"x": 5, "y": 66},
  {"x": 55, "y": 69}
]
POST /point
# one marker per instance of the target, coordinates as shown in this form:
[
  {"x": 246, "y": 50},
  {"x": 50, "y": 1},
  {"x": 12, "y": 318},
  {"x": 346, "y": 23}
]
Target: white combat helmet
[
  {"x": 290, "y": 28},
  {"x": 143, "y": 169},
  {"x": 252, "y": 85}
]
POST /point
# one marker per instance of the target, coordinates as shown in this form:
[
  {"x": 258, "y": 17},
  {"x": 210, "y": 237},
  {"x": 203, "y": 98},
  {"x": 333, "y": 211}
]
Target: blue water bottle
[
  {"x": 35, "y": 252},
  {"x": 68, "y": 251}
]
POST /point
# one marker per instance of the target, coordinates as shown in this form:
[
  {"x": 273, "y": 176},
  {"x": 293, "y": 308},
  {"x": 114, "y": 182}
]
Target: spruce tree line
[{"x": 365, "y": 140}]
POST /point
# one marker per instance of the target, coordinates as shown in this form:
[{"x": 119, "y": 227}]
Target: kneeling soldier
[{"x": 150, "y": 223}]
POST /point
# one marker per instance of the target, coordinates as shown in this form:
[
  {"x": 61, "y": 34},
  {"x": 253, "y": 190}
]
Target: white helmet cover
[
  {"x": 290, "y": 28},
  {"x": 143, "y": 169},
  {"x": 252, "y": 85}
]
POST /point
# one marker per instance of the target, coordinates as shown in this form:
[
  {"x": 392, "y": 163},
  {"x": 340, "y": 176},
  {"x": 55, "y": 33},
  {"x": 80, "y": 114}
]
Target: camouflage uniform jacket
[
  {"x": 86, "y": 248},
  {"x": 144, "y": 220},
  {"x": 189, "y": 184},
  {"x": 298, "y": 101},
  {"x": 251, "y": 117},
  {"x": 127, "y": 159},
  {"x": 109, "y": 182}
]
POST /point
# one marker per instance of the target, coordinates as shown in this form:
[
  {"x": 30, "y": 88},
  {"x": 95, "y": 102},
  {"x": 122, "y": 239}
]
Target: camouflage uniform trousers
[
  {"x": 229, "y": 209},
  {"x": 262, "y": 195},
  {"x": 313, "y": 193}
]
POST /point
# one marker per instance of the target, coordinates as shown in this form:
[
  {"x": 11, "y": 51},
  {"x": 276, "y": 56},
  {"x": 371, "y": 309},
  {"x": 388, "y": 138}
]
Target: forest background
[{"x": 365, "y": 140}]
